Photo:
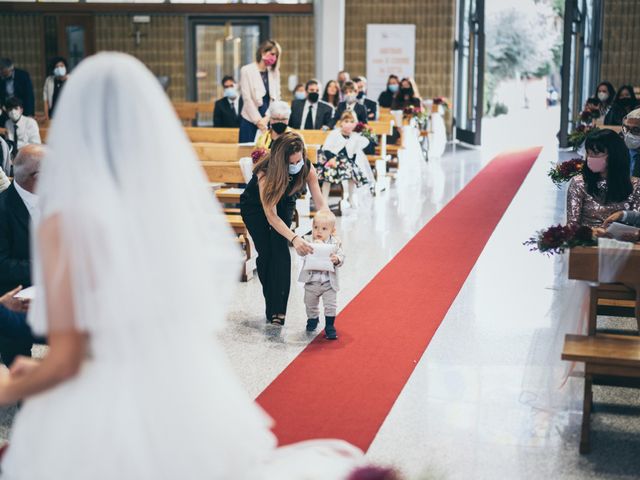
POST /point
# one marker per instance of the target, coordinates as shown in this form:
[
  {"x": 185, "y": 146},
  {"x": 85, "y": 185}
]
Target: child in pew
[
  {"x": 322, "y": 284},
  {"x": 342, "y": 160}
]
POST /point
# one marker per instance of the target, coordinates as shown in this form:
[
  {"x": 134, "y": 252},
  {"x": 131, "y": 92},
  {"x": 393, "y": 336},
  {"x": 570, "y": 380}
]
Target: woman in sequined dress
[{"x": 605, "y": 185}]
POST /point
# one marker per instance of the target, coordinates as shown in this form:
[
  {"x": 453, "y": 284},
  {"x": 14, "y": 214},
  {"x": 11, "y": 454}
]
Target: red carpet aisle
[{"x": 345, "y": 389}]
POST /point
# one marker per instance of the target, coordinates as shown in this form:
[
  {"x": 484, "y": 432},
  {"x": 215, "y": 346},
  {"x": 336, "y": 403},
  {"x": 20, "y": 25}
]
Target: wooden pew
[
  {"x": 612, "y": 360},
  {"x": 224, "y": 152},
  {"x": 188, "y": 111},
  {"x": 212, "y": 135},
  {"x": 314, "y": 137}
]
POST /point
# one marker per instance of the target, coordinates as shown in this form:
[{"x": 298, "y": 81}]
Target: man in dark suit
[
  {"x": 226, "y": 112},
  {"x": 312, "y": 113},
  {"x": 18, "y": 204},
  {"x": 16, "y": 83},
  {"x": 350, "y": 103},
  {"x": 370, "y": 105}
]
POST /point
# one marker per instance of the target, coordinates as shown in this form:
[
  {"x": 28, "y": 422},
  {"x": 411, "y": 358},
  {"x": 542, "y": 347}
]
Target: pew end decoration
[
  {"x": 442, "y": 102},
  {"x": 577, "y": 138},
  {"x": 558, "y": 238},
  {"x": 563, "y": 172},
  {"x": 419, "y": 114},
  {"x": 258, "y": 154}
]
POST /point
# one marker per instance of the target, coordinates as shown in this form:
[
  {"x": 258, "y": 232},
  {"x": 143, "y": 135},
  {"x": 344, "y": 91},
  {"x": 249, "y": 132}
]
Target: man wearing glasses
[{"x": 631, "y": 135}]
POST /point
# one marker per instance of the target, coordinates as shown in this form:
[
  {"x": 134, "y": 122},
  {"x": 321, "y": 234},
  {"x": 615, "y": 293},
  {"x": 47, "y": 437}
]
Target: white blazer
[{"x": 252, "y": 90}]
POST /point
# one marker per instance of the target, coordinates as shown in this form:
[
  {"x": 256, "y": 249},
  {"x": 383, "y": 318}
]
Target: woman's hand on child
[
  {"x": 302, "y": 247},
  {"x": 335, "y": 259}
]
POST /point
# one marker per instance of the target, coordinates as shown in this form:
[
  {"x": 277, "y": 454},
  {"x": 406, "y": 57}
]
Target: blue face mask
[
  {"x": 295, "y": 169},
  {"x": 230, "y": 92},
  {"x": 393, "y": 88},
  {"x": 300, "y": 95}
]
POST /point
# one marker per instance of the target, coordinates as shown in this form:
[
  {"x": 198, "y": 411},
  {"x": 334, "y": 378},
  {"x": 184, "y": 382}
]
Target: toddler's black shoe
[
  {"x": 330, "y": 332},
  {"x": 312, "y": 324}
]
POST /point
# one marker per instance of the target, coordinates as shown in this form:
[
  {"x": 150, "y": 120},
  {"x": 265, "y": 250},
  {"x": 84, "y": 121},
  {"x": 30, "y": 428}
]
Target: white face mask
[
  {"x": 60, "y": 71},
  {"x": 351, "y": 98},
  {"x": 603, "y": 96},
  {"x": 632, "y": 141},
  {"x": 15, "y": 115},
  {"x": 296, "y": 167}
]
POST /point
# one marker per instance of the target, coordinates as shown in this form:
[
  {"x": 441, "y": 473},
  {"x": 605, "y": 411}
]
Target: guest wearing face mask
[
  {"x": 408, "y": 96},
  {"x": 605, "y": 186},
  {"x": 279, "y": 113},
  {"x": 15, "y": 82},
  {"x": 21, "y": 130},
  {"x": 259, "y": 86},
  {"x": 625, "y": 101},
  {"x": 631, "y": 135},
  {"x": 385, "y": 99},
  {"x": 311, "y": 113},
  {"x": 226, "y": 111},
  {"x": 370, "y": 105},
  {"x": 299, "y": 92},
  {"x": 350, "y": 104},
  {"x": 267, "y": 207},
  {"x": 58, "y": 74},
  {"x": 605, "y": 93}
]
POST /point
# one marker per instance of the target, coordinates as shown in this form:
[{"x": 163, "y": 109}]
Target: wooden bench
[
  {"x": 188, "y": 111},
  {"x": 612, "y": 360},
  {"x": 227, "y": 152},
  {"x": 212, "y": 135}
]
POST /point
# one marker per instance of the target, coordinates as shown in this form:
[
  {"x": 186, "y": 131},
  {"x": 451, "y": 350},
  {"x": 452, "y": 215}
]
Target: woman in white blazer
[
  {"x": 259, "y": 86},
  {"x": 59, "y": 72}
]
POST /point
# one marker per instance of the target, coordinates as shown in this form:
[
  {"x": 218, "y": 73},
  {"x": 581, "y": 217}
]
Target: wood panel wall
[{"x": 621, "y": 42}]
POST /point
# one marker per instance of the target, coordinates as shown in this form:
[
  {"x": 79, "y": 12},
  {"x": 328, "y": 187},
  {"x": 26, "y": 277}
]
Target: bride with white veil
[{"x": 134, "y": 264}]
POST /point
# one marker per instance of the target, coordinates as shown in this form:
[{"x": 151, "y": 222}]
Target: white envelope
[{"x": 26, "y": 294}]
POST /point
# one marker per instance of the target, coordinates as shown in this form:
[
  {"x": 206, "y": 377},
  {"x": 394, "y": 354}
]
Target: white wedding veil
[{"x": 145, "y": 239}]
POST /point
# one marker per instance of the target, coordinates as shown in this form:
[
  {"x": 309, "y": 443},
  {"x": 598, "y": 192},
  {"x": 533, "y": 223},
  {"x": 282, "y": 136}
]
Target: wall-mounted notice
[{"x": 391, "y": 48}]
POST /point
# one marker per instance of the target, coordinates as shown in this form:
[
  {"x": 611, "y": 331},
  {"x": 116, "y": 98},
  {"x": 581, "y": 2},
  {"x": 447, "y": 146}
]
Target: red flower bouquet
[
  {"x": 442, "y": 101},
  {"x": 258, "y": 154},
  {"x": 565, "y": 171},
  {"x": 558, "y": 238},
  {"x": 366, "y": 131}
]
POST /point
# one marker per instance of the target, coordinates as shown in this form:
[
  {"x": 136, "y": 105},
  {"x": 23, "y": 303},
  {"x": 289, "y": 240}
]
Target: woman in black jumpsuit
[{"x": 267, "y": 207}]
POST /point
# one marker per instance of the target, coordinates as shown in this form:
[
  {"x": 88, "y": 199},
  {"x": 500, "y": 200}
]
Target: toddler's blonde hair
[{"x": 325, "y": 216}]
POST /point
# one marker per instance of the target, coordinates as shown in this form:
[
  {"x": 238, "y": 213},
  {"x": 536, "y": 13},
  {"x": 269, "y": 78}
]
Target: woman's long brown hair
[{"x": 275, "y": 167}]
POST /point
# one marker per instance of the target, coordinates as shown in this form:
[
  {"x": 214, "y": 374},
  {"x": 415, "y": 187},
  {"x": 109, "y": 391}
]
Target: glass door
[
  {"x": 581, "y": 59},
  {"x": 470, "y": 62}
]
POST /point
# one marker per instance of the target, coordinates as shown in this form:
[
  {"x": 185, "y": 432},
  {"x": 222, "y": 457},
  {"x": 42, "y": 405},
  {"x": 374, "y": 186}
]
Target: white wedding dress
[{"x": 151, "y": 265}]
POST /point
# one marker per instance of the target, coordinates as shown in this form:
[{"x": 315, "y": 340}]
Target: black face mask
[
  {"x": 626, "y": 102},
  {"x": 313, "y": 97},
  {"x": 406, "y": 92},
  {"x": 360, "y": 95},
  {"x": 279, "y": 127}
]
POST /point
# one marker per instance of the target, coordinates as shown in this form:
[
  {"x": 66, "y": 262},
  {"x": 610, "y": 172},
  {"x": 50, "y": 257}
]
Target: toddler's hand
[{"x": 334, "y": 258}]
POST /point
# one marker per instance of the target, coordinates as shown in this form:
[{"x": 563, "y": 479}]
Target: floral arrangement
[
  {"x": 442, "y": 101},
  {"x": 565, "y": 171},
  {"x": 420, "y": 115},
  {"x": 558, "y": 238},
  {"x": 258, "y": 154},
  {"x": 580, "y": 134},
  {"x": 588, "y": 116},
  {"x": 366, "y": 131}
]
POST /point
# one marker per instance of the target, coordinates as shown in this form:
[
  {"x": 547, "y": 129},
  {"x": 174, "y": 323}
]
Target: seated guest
[
  {"x": 350, "y": 104},
  {"x": 624, "y": 102},
  {"x": 16, "y": 83},
  {"x": 18, "y": 206},
  {"x": 370, "y": 105},
  {"x": 631, "y": 133},
  {"x": 331, "y": 93},
  {"x": 605, "y": 93},
  {"x": 299, "y": 92},
  {"x": 21, "y": 130},
  {"x": 385, "y": 100},
  {"x": 312, "y": 113},
  {"x": 16, "y": 337},
  {"x": 408, "y": 95},
  {"x": 58, "y": 75},
  {"x": 226, "y": 111},
  {"x": 279, "y": 113},
  {"x": 605, "y": 185}
]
